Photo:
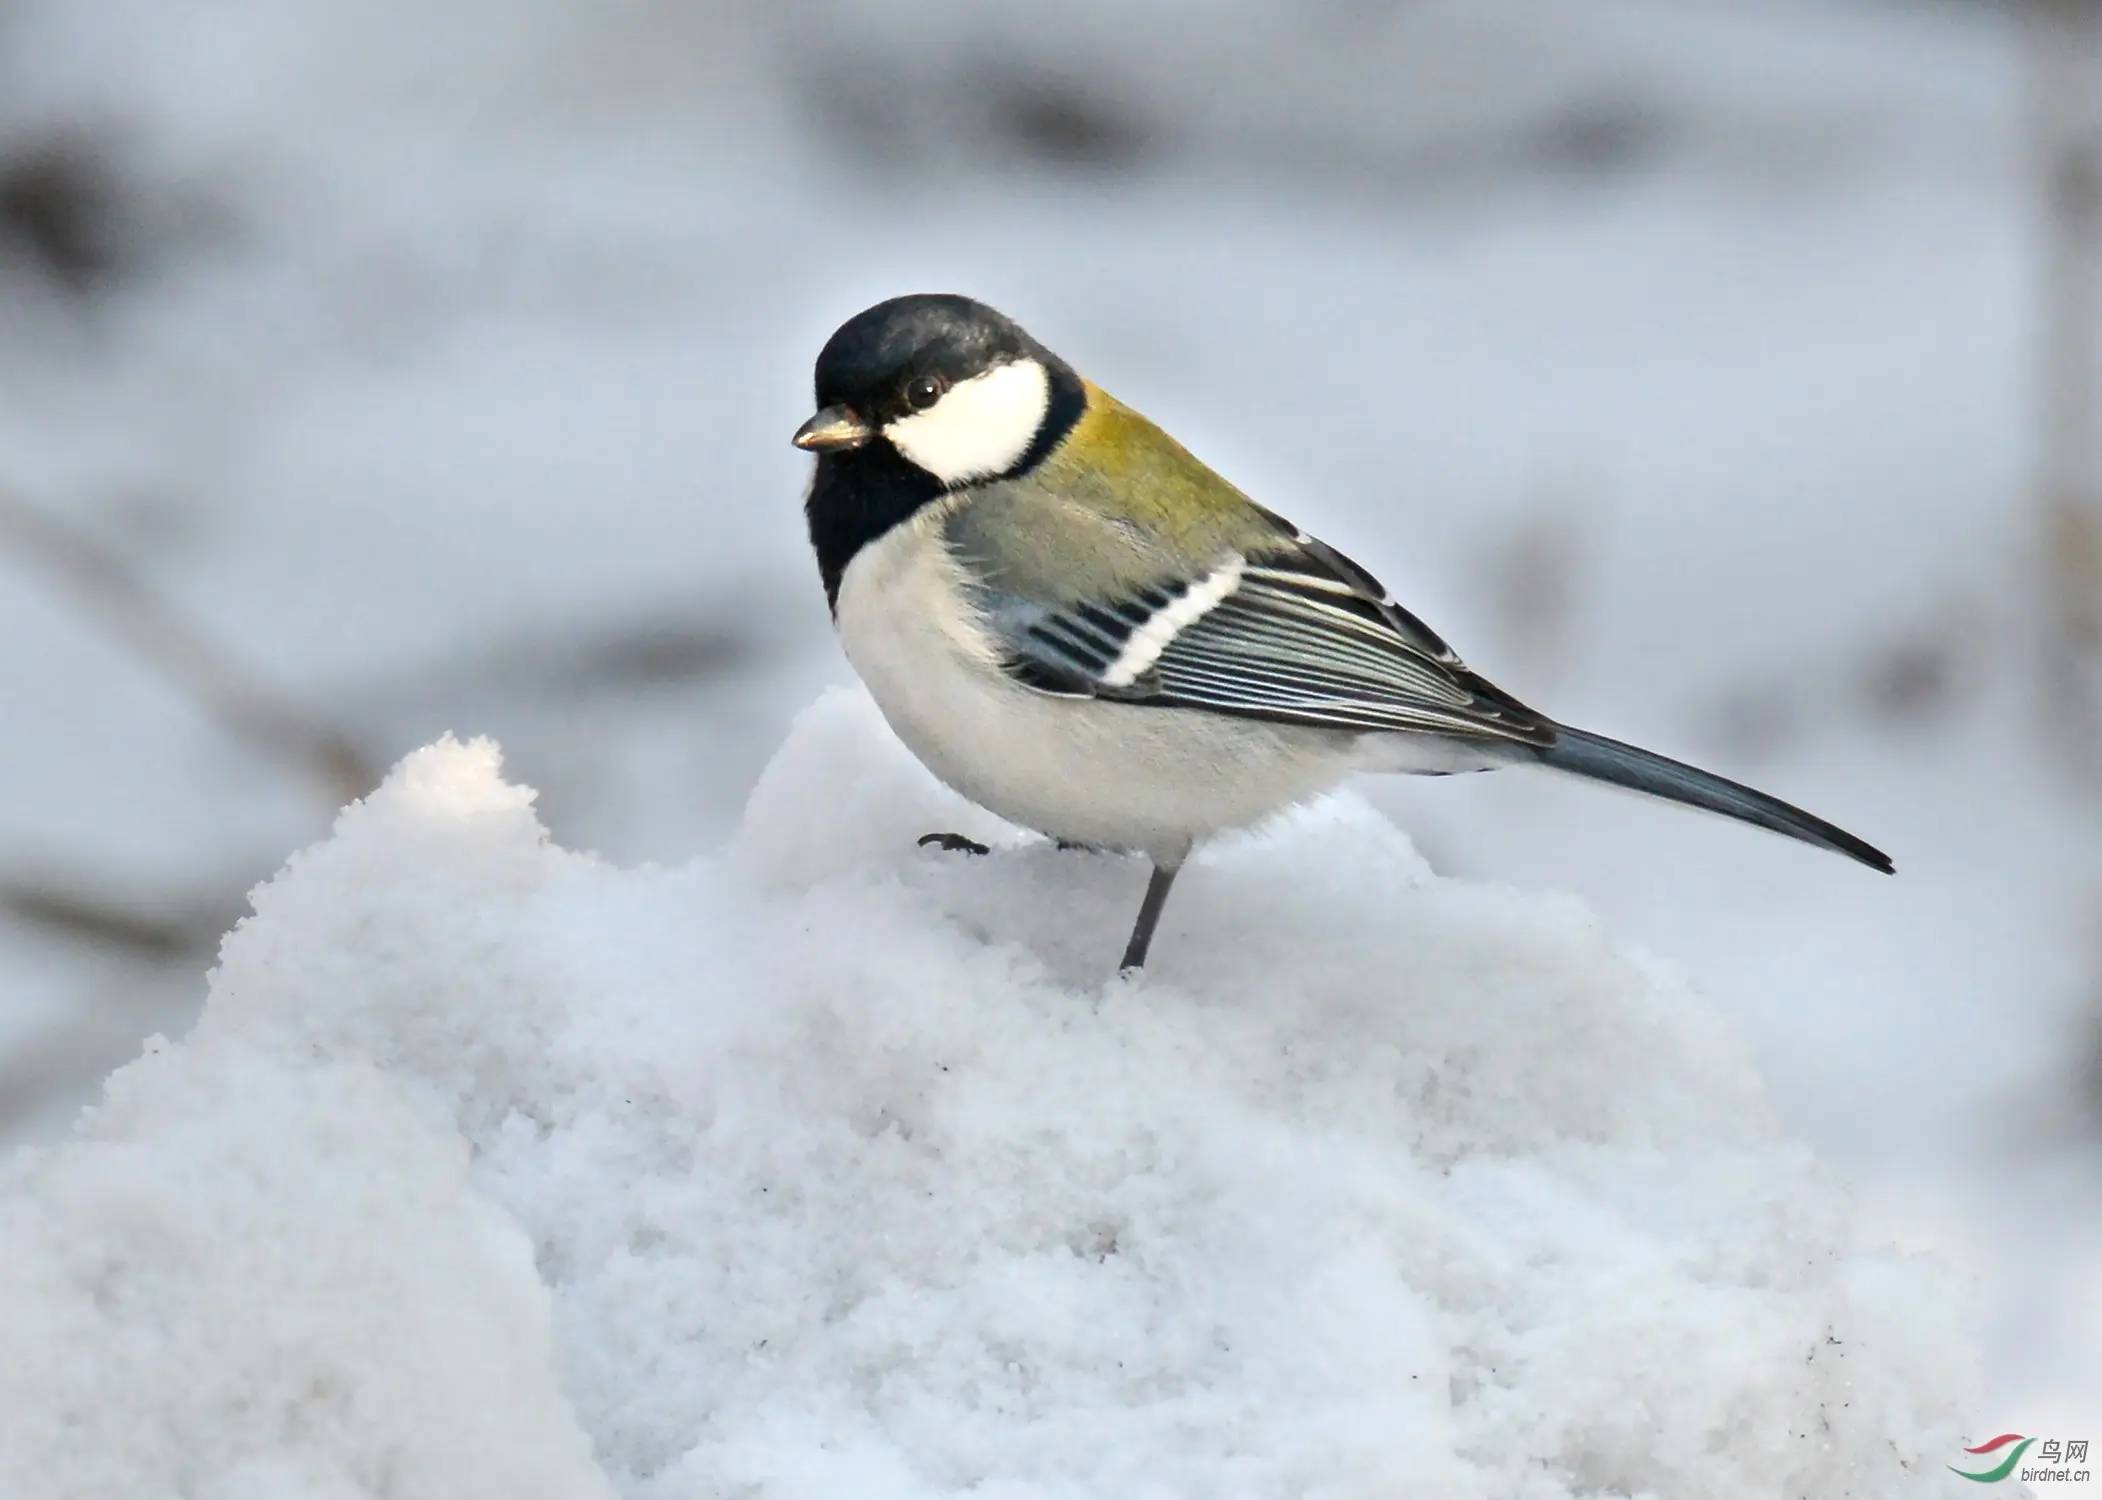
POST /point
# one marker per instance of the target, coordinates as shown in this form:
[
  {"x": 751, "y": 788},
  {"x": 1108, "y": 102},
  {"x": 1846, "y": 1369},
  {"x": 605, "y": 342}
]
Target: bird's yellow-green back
[{"x": 1117, "y": 502}]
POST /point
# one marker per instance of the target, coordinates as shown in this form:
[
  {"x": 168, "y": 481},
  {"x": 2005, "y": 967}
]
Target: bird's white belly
[{"x": 1110, "y": 774}]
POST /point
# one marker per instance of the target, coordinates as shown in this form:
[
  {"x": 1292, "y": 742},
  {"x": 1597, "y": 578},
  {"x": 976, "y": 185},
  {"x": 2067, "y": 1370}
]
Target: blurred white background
[{"x": 371, "y": 369}]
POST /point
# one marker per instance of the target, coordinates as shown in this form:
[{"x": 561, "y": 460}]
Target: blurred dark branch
[
  {"x": 160, "y": 635},
  {"x": 110, "y": 923},
  {"x": 58, "y": 204},
  {"x": 2065, "y": 70},
  {"x": 1537, "y": 576}
]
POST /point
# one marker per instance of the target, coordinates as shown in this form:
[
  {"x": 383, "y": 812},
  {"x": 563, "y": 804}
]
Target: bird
[{"x": 1076, "y": 624}]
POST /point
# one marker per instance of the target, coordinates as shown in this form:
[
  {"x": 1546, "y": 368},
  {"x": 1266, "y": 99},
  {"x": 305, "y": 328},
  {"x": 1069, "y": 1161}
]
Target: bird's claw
[{"x": 953, "y": 843}]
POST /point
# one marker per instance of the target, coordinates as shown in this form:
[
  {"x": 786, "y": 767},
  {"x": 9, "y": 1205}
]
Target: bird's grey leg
[
  {"x": 1149, "y": 916},
  {"x": 954, "y": 843}
]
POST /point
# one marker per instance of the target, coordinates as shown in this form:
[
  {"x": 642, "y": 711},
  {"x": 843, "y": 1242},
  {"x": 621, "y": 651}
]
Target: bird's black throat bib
[{"x": 856, "y": 498}]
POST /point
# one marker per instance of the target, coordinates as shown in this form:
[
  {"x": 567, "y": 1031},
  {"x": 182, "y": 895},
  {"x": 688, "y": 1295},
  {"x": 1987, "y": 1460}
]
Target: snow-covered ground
[
  {"x": 1672, "y": 359},
  {"x": 830, "y": 1165}
]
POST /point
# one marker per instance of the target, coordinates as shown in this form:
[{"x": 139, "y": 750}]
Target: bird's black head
[{"x": 919, "y": 396}]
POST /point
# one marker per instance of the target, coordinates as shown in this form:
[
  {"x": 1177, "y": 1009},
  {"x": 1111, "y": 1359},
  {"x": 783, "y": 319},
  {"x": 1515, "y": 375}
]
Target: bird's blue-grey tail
[{"x": 1607, "y": 760}]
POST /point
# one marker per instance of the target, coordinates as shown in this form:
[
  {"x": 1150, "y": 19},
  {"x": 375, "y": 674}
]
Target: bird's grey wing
[
  {"x": 1305, "y": 635},
  {"x": 1291, "y": 631}
]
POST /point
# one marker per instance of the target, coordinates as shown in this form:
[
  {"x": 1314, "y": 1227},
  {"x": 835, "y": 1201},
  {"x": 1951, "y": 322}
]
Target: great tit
[{"x": 1077, "y": 625}]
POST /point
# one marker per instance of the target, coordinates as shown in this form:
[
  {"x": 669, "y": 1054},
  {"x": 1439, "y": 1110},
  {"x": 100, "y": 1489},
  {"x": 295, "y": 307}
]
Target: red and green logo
[{"x": 2016, "y": 1445}]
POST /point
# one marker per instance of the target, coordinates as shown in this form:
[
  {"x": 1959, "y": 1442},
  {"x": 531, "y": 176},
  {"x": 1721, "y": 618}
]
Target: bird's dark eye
[{"x": 925, "y": 391}]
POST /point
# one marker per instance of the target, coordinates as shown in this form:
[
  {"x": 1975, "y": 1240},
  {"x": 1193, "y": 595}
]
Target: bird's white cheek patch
[{"x": 980, "y": 427}]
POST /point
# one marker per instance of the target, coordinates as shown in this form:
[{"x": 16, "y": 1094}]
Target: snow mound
[{"x": 831, "y": 1166}]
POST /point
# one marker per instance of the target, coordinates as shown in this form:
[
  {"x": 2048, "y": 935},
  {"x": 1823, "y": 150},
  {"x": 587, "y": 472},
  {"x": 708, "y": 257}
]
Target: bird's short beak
[{"x": 833, "y": 430}]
